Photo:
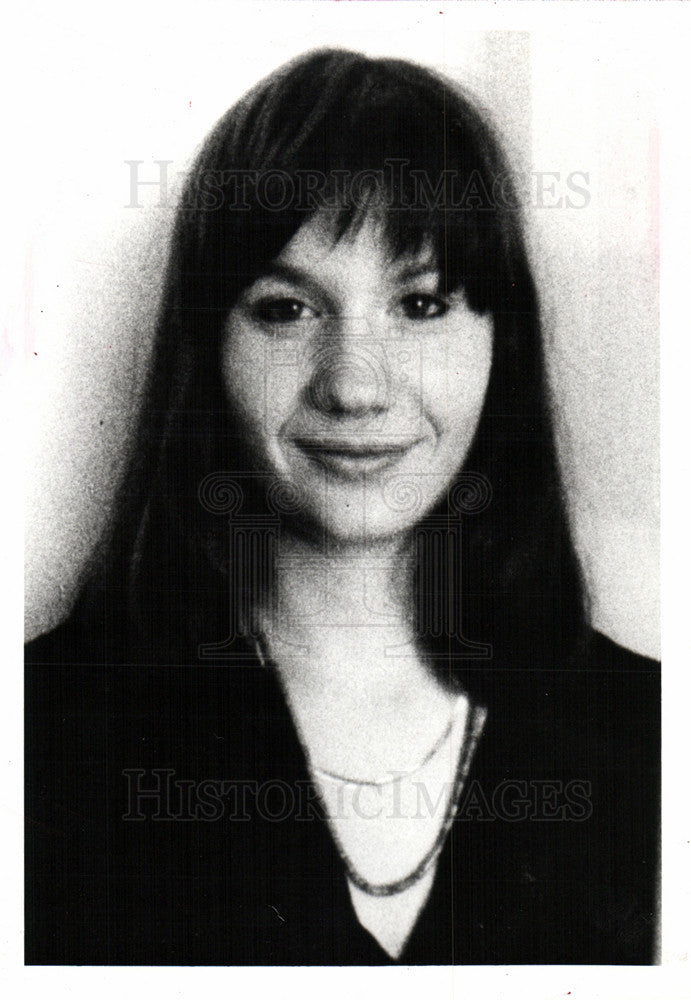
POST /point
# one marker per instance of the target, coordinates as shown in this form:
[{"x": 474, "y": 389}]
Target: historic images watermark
[
  {"x": 160, "y": 795},
  {"x": 402, "y": 188}
]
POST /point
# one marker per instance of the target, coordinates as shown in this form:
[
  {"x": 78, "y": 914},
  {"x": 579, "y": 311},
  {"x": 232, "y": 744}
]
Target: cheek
[
  {"x": 456, "y": 375},
  {"x": 252, "y": 383}
]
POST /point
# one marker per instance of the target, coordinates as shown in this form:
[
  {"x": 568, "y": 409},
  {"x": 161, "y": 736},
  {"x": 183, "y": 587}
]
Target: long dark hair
[{"x": 498, "y": 580}]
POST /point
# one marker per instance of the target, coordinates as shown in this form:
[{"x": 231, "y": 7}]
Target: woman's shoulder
[
  {"x": 65, "y": 643},
  {"x": 603, "y": 653},
  {"x": 611, "y": 688},
  {"x": 595, "y": 706},
  {"x": 75, "y": 642}
]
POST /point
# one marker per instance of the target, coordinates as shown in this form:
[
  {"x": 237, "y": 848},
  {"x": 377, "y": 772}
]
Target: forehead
[{"x": 318, "y": 245}]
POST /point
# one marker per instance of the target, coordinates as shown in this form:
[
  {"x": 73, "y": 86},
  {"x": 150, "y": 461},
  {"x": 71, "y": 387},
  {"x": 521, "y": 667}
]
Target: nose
[{"x": 349, "y": 373}]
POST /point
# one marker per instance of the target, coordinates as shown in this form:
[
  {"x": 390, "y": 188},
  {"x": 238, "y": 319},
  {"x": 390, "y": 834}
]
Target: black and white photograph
[{"x": 341, "y": 337}]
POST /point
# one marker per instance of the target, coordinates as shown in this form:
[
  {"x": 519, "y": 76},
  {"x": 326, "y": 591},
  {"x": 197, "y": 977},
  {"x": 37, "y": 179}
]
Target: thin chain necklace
[
  {"x": 382, "y": 782},
  {"x": 475, "y": 721},
  {"x": 474, "y": 724}
]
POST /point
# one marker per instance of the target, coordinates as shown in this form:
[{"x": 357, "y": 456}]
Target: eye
[
  {"x": 421, "y": 306},
  {"x": 282, "y": 310}
]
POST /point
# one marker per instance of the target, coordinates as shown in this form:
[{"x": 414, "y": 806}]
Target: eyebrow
[
  {"x": 409, "y": 271},
  {"x": 296, "y": 275},
  {"x": 288, "y": 272}
]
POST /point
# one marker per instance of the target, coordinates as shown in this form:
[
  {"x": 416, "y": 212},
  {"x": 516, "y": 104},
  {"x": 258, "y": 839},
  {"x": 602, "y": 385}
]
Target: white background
[{"x": 90, "y": 90}]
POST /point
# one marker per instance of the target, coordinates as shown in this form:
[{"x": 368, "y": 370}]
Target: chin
[
  {"x": 328, "y": 511},
  {"x": 351, "y": 525}
]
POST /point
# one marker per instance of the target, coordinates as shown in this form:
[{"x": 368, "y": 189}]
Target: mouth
[{"x": 352, "y": 460}]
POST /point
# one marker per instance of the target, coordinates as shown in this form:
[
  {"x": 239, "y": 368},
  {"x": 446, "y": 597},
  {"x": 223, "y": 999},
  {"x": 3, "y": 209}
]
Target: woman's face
[{"x": 355, "y": 380}]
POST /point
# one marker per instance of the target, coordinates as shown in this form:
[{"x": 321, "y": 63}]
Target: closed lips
[
  {"x": 353, "y": 450},
  {"x": 351, "y": 461}
]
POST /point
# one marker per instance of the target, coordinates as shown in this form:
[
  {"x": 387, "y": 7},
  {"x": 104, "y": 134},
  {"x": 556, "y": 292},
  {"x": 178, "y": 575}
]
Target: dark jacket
[{"x": 552, "y": 857}]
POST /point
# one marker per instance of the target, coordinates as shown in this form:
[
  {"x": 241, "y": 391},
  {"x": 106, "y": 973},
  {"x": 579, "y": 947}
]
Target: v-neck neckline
[{"x": 294, "y": 766}]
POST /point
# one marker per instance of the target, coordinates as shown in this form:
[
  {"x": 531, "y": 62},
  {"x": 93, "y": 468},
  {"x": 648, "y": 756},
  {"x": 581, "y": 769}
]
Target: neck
[
  {"x": 336, "y": 600},
  {"x": 341, "y": 633}
]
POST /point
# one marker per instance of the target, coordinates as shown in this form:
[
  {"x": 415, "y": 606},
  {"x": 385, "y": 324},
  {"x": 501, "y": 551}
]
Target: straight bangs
[{"x": 380, "y": 137}]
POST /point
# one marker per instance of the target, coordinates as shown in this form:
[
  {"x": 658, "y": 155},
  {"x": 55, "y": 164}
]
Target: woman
[{"x": 329, "y": 694}]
